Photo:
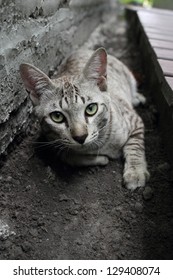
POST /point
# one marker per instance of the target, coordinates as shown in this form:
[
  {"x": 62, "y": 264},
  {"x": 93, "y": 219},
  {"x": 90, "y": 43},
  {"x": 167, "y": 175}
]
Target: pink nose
[{"x": 80, "y": 139}]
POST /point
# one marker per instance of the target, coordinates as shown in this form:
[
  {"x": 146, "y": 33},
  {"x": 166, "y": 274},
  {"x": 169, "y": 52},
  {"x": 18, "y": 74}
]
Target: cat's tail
[{"x": 138, "y": 99}]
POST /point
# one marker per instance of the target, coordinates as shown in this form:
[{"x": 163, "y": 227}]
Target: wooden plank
[
  {"x": 149, "y": 10},
  {"x": 170, "y": 82},
  {"x": 161, "y": 25},
  {"x": 166, "y": 66},
  {"x": 164, "y": 53},
  {"x": 154, "y": 20},
  {"x": 166, "y": 38},
  {"x": 161, "y": 44},
  {"x": 157, "y": 30},
  {"x": 155, "y": 15}
]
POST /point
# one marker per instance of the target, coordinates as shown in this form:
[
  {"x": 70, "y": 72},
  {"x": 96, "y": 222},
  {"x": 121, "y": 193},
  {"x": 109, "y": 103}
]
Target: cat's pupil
[
  {"x": 57, "y": 117},
  {"x": 91, "y": 109}
]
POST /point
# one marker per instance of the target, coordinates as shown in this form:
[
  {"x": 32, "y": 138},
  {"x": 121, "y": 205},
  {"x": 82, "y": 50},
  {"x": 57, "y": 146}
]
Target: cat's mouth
[{"x": 88, "y": 145}]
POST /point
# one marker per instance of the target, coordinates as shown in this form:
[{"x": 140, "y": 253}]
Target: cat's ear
[
  {"x": 96, "y": 68},
  {"x": 35, "y": 81}
]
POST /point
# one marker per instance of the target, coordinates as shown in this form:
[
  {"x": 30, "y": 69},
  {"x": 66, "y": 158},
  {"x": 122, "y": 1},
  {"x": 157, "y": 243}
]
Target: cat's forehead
[
  {"x": 70, "y": 92},
  {"x": 68, "y": 86}
]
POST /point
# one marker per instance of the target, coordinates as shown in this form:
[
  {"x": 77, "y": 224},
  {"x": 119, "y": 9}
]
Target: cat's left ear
[
  {"x": 35, "y": 81},
  {"x": 96, "y": 69}
]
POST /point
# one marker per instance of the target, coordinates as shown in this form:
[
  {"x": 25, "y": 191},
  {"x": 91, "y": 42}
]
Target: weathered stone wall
[{"x": 40, "y": 32}]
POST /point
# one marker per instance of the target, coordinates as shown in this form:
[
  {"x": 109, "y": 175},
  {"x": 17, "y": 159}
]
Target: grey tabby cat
[{"x": 87, "y": 112}]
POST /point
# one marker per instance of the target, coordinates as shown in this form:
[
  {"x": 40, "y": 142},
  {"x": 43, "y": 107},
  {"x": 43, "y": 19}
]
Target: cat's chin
[
  {"x": 86, "y": 147},
  {"x": 80, "y": 147}
]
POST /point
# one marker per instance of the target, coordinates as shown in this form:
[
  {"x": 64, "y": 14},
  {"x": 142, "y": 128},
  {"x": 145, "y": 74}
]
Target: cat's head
[{"x": 73, "y": 110}]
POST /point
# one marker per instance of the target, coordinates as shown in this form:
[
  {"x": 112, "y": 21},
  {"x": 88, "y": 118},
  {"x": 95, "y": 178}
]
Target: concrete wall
[{"x": 40, "y": 32}]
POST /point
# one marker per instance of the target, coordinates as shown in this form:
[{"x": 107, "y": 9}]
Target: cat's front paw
[
  {"x": 102, "y": 160},
  {"x": 136, "y": 177}
]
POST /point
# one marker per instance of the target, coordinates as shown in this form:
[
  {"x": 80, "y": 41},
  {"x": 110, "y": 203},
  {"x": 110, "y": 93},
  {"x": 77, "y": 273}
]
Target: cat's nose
[{"x": 80, "y": 138}]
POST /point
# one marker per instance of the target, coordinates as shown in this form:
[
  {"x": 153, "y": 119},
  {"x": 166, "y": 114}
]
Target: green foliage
[
  {"x": 130, "y": 1},
  {"x": 139, "y": 2}
]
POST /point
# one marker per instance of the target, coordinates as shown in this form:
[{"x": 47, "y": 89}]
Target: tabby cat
[{"x": 87, "y": 112}]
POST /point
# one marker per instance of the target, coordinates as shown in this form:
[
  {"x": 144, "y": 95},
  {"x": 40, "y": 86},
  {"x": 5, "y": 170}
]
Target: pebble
[
  {"x": 164, "y": 166},
  {"x": 57, "y": 230},
  {"x": 128, "y": 236},
  {"x": 138, "y": 207},
  {"x": 40, "y": 222},
  {"x": 73, "y": 212},
  {"x": 9, "y": 179},
  {"x": 79, "y": 242},
  {"x": 28, "y": 188},
  {"x": 7, "y": 244},
  {"x": 26, "y": 246},
  {"x": 33, "y": 232},
  {"x": 147, "y": 193},
  {"x": 63, "y": 197},
  {"x": 50, "y": 173},
  {"x": 119, "y": 208},
  {"x": 16, "y": 252},
  {"x": 15, "y": 215},
  {"x": 117, "y": 237},
  {"x": 2, "y": 248},
  {"x": 55, "y": 214},
  {"x": 34, "y": 217}
]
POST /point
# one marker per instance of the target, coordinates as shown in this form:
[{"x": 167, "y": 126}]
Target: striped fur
[{"x": 87, "y": 78}]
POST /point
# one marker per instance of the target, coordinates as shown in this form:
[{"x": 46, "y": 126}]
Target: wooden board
[
  {"x": 157, "y": 30},
  {"x": 158, "y": 27},
  {"x": 161, "y": 44},
  {"x": 164, "y": 53},
  {"x": 169, "y": 81},
  {"x": 167, "y": 67},
  {"x": 162, "y": 37}
]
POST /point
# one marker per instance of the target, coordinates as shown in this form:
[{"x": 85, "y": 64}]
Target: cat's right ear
[
  {"x": 96, "y": 69},
  {"x": 35, "y": 81}
]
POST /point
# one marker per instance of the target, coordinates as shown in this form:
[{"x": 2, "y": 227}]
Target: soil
[{"x": 51, "y": 211}]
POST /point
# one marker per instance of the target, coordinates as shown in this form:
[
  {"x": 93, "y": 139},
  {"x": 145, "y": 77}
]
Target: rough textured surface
[
  {"x": 41, "y": 33},
  {"x": 49, "y": 211}
]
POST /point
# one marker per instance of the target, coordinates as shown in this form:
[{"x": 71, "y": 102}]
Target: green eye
[
  {"x": 57, "y": 117},
  {"x": 91, "y": 109}
]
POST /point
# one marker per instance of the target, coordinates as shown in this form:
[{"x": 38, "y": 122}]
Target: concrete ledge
[{"x": 16, "y": 124}]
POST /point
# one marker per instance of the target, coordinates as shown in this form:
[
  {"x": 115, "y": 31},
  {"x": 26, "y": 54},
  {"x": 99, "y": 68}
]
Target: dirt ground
[{"x": 50, "y": 211}]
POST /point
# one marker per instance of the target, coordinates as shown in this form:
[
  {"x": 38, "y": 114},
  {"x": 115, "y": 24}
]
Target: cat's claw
[{"x": 136, "y": 177}]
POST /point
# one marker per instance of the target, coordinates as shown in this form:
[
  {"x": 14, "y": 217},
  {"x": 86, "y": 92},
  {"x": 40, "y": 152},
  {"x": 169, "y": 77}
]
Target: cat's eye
[
  {"x": 91, "y": 109},
  {"x": 57, "y": 117}
]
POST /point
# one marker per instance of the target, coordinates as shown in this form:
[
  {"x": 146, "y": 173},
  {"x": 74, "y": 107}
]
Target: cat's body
[{"x": 88, "y": 112}]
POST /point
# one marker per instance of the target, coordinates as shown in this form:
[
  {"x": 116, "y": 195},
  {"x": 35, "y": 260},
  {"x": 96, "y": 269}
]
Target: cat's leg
[
  {"x": 86, "y": 160},
  {"x": 135, "y": 169}
]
